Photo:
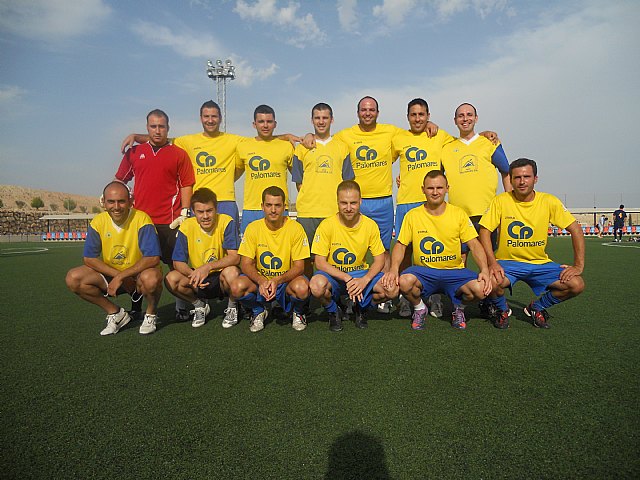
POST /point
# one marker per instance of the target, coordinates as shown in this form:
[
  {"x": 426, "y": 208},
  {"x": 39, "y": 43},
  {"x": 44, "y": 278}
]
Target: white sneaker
[
  {"x": 404, "y": 308},
  {"x": 435, "y": 305},
  {"x": 115, "y": 322},
  {"x": 148, "y": 324},
  {"x": 230, "y": 317},
  {"x": 200, "y": 315},
  {"x": 257, "y": 321},
  {"x": 299, "y": 322},
  {"x": 384, "y": 307}
]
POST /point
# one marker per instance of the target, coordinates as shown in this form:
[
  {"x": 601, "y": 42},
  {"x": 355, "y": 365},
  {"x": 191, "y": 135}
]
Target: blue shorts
[
  {"x": 537, "y": 276},
  {"x": 401, "y": 211},
  {"x": 476, "y": 224},
  {"x": 281, "y": 297},
  {"x": 249, "y": 216},
  {"x": 441, "y": 280},
  {"x": 213, "y": 290},
  {"x": 380, "y": 210},
  {"x": 229, "y": 207},
  {"x": 338, "y": 287}
]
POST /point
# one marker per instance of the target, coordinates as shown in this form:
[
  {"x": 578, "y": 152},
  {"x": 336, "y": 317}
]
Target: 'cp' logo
[
  {"x": 203, "y": 159},
  {"x": 342, "y": 256},
  {"x": 519, "y": 230},
  {"x": 430, "y": 245},
  {"x": 259, "y": 164},
  {"x": 269, "y": 261},
  {"x": 414, "y": 154},
  {"x": 365, "y": 153}
]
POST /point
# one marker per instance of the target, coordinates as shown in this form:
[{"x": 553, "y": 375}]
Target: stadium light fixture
[{"x": 221, "y": 73}]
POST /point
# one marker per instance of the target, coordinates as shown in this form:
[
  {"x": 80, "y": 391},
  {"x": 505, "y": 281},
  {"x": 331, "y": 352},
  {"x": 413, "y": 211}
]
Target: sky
[{"x": 556, "y": 80}]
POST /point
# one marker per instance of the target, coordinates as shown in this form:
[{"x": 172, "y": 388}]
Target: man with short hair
[
  {"x": 436, "y": 229},
  {"x": 265, "y": 160},
  {"x": 602, "y": 221},
  {"x": 163, "y": 185},
  {"x": 121, "y": 255},
  {"x": 619, "y": 216},
  {"x": 340, "y": 246},
  {"x": 205, "y": 258},
  {"x": 317, "y": 172},
  {"x": 522, "y": 217},
  {"x": 272, "y": 254}
]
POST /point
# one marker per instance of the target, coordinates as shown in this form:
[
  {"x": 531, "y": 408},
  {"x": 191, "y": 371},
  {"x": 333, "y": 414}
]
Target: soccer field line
[
  {"x": 19, "y": 251},
  {"x": 622, "y": 245}
]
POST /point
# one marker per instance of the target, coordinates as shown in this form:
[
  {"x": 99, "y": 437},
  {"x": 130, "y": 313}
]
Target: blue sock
[
  {"x": 500, "y": 302},
  {"x": 332, "y": 307},
  {"x": 545, "y": 301},
  {"x": 250, "y": 302}
]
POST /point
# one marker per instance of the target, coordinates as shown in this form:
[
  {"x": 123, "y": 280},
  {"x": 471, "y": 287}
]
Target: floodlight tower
[{"x": 220, "y": 73}]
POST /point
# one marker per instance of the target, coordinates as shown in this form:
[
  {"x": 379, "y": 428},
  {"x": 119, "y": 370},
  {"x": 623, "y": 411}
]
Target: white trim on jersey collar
[
  {"x": 324, "y": 142},
  {"x": 472, "y": 139}
]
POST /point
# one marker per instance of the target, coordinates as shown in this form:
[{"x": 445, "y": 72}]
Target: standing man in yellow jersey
[
  {"x": 523, "y": 217},
  {"x": 205, "y": 258},
  {"x": 121, "y": 255},
  {"x": 265, "y": 160},
  {"x": 272, "y": 254},
  {"x": 317, "y": 173},
  {"x": 340, "y": 246},
  {"x": 436, "y": 229}
]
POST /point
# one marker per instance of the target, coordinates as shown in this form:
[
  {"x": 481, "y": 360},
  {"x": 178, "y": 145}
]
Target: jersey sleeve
[
  {"x": 148, "y": 241},
  {"x": 181, "y": 249},
  {"x": 375, "y": 243},
  {"x": 467, "y": 231},
  {"x": 297, "y": 173},
  {"x": 230, "y": 240},
  {"x": 248, "y": 244},
  {"x": 125, "y": 170},
  {"x": 321, "y": 240},
  {"x": 299, "y": 244},
  {"x": 559, "y": 215},
  {"x": 93, "y": 244},
  {"x": 491, "y": 218},
  {"x": 405, "y": 235},
  {"x": 185, "y": 170},
  {"x": 347, "y": 168},
  {"x": 499, "y": 160}
]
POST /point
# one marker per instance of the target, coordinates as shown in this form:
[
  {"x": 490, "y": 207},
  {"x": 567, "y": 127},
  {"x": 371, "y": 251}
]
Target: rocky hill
[{"x": 53, "y": 201}]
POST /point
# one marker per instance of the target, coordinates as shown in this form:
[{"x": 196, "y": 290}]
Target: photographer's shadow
[{"x": 357, "y": 455}]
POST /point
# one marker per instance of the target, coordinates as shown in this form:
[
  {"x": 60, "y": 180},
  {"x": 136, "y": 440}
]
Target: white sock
[
  {"x": 420, "y": 306},
  {"x": 199, "y": 303}
]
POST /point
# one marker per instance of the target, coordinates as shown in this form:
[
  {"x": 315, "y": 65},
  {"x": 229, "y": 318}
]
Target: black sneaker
[
  {"x": 183, "y": 316},
  {"x": 501, "y": 319},
  {"x": 539, "y": 317},
  {"x": 335, "y": 320},
  {"x": 361, "y": 320},
  {"x": 488, "y": 310}
]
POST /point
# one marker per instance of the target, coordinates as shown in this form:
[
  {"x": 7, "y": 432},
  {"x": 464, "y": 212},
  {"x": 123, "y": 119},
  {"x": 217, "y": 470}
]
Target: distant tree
[
  {"x": 95, "y": 209},
  {"x": 83, "y": 208},
  {"x": 1, "y": 203},
  {"x": 53, "y": 207},
  {"x": 37, "y": 203},
  {"x": 69, "y": 204},
  {"x": 20, "y": 203}
]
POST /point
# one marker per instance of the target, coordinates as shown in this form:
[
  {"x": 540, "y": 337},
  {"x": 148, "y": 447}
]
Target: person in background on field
[{"x": 619, "y": 216}]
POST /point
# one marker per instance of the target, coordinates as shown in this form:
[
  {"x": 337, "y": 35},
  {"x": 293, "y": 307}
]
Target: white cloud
[
  {"x": 393, "y": 12},
  {"x": 202, "y": 46},
  {"x": 52, "y": 19},
  {"x": 293, "y": 79},
  {"x": 347, "y": 15},
  {"x": 9, "y": 93},
  {"x": 266, "y": 11}
]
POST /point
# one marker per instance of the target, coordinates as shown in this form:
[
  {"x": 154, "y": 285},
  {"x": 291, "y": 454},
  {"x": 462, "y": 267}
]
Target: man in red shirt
[{"x": 163, "y": 185}]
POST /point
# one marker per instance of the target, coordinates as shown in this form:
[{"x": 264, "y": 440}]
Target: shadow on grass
[{"x": 357, "y": 455}]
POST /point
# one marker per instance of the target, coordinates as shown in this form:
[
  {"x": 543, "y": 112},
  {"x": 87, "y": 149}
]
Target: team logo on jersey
[
  {"x": 324, "y": 164},
  {"x": 210, "y": 256},
  {"x": 519, "y": 230},
  {"x": 269, "y": 261},
  {"x": 415, "y": 154},
  {"x": 259, "y": 164},
  {"x": 431, "y": 246},
  {"x": 203, "y": 159},
  {"x": 468, "y": 164},
  {"x": 342, "y": 256},
  {"x": 119, "y": 255},
  {"x": 365, "y": 153}
]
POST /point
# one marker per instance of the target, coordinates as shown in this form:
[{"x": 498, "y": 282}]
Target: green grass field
[{"x": 386, "y": 403}]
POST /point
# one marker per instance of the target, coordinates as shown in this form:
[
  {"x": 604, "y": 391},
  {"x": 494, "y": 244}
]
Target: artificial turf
[{"x": 386, "y": 402}]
